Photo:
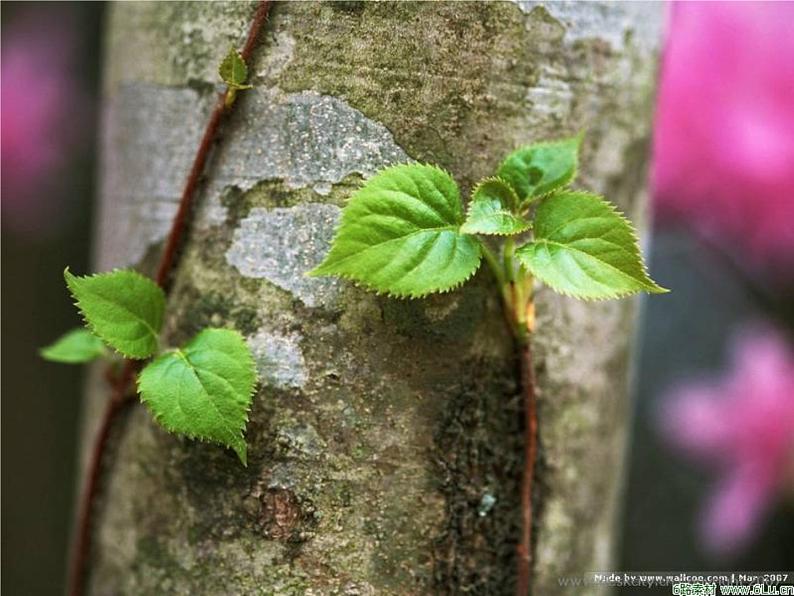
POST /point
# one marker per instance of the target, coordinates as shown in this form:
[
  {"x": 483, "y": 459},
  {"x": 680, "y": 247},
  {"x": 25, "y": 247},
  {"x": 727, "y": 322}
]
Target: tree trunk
[{"x": 385, "y": 439}]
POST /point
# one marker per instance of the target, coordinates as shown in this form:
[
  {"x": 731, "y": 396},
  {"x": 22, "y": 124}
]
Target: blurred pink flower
[
  {"x": 724, "y": 132},
  {"x": 742, "y": 424},
  {"x": 41, "y": 108}
]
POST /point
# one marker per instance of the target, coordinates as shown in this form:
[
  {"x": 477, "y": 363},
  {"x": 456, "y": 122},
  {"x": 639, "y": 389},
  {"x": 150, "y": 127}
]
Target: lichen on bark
[{"x": 385, "y": 447}]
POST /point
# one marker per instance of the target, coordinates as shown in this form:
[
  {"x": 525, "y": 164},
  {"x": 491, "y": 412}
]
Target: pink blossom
[
  {"x": 41, "y": 112},
  {"x": 743, "y": 425},
  {"x": 724, "y": 132}
]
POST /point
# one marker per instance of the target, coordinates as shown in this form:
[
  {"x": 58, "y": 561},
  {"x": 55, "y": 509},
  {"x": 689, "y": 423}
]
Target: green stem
[
  {"x": 493, "y": 263},
  {"x": 509, "y": 259},
  {"x": 231, "y": 95}
]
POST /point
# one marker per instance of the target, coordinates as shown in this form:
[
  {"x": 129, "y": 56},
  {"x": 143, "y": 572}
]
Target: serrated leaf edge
[
  {"x": 90, "y": 326},
  {"x": 395, "y": 167},
  {"x": 408, "y": 295},
  {"x": 527, "y": 222},
  {"x": 526, "y": 201},
  {"x": 355, "y": 195},
  {"x": 379, "y": 291},
  {"x": 238, "y": 86},
  {"x": 246, "y": 412},
  {"x": 635, "y": 246}
]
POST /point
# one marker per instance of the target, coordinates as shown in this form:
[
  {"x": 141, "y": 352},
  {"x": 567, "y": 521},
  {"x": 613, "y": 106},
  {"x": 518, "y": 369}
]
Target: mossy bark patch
[
  {"x": 442, "y": 78},
  {"x": 279, "y": 359},
  {"x": 282, "y": 245},
  {"x": 303, "y": 140}
]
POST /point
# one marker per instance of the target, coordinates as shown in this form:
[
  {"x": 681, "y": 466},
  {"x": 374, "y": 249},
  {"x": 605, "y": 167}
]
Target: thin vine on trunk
[
  {"x": 122, "y": 394},
  {"x": 524, "y": 549}
]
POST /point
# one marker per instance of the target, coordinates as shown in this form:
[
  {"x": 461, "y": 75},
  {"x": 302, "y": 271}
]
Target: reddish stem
[
  {"x": 524, "y": 549},
  {"x": 122, "y": 394},
  {"x": 257, "y": 22},
  {"x": 120, "y": 398},
  {"x": 174, "y": 240}
]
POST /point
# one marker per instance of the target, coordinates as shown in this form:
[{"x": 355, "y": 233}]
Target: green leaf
[
  {"x": 538, "y": 169},
  {"x": 233, "y": 70},
  {"x": 75, "y": 347},
  {"x": 584, "y": 247},
  {"x": 491, "y": 210},
  {"x": 203, "y": 390},
  {"x": 123, "y": 308},
  {"x": 400, "y": 234}
]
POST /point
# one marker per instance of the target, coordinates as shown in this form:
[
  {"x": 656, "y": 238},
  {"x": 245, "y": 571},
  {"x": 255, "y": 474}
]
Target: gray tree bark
[{"x": 384, "y": 442}]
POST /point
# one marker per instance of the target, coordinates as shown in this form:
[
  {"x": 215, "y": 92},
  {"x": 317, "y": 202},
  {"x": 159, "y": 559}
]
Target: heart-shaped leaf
[{"x": 204, "y": 389}]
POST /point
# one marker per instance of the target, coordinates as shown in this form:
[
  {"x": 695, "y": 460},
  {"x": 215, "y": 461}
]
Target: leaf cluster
[
  {"x": 404, "y": 233},
  {"x": 201, "y": 390}
]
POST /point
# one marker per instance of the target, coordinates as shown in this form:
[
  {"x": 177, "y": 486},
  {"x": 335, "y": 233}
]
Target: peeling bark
[{"x": 384, "y": 442}]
